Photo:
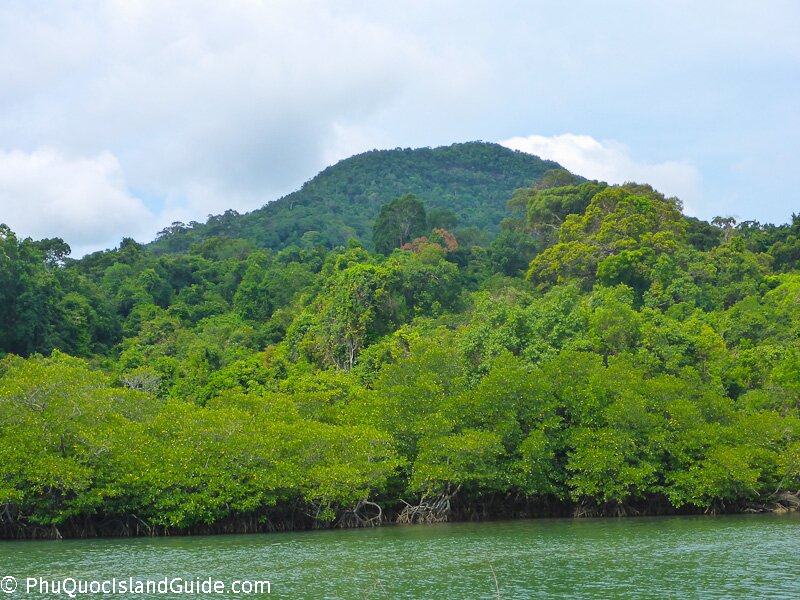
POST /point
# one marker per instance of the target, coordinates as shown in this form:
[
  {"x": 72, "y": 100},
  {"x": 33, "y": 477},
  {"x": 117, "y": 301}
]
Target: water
[{"x": 754, "y": 556}]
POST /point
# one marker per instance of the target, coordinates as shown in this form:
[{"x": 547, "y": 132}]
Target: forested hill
[
  {"x": 602, "y": 354},
  {"x": 474, "y": 180}
]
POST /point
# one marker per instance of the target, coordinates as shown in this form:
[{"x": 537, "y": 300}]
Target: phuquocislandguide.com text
[{"x": 73, "y": 587}]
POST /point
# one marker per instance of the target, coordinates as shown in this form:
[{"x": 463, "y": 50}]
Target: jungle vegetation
[
  {"x": 594, "y": 352},
  {"x": 467, "y": 185}
]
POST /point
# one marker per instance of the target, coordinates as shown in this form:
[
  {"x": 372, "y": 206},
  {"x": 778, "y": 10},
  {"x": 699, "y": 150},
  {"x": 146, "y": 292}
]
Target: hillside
[
  {"x": 475, "y": 180},
  {"x": 602, "y": 355}
]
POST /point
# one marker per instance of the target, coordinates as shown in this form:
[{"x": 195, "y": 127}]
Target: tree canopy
[
  {"x": 602, "y": 354},
  {"x": 468, "y": 184},
  {"x": 399, "y": 222}
]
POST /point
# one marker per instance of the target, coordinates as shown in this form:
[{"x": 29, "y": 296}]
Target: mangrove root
[
  {"x": 437, "y": 510},
  {"x": 363, "y": 514}
]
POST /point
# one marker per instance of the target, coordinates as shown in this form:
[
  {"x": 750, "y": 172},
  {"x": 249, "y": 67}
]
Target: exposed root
[
  {"x": 786, "y": 501},
  {"x": 364, "y": 514},
  {"x": 588, "y": 509},
  {"x": 437, "y": 510}
]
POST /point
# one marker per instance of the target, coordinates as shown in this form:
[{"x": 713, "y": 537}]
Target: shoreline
[{"x": 131, "y": 526}]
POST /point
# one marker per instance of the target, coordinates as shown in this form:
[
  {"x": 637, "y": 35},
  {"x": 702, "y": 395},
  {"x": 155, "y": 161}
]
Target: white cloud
[
  {"x": 83, "y": 200},
  {"x": 213, "y": 105},
  {"x": 208, "y": 105},
  {"x": 610, "y": 161},
  {"x": 347, "y": 140}
]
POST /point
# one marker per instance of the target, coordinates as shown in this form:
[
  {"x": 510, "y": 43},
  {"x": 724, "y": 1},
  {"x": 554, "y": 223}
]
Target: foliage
[
  {"x": 399, "y": 222},
  {"x": 603, "y": 352},
  {"x": 469, "y": 183}
]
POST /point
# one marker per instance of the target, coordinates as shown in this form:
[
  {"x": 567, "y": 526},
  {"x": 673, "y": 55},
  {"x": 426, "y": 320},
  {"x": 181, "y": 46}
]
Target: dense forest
[
  {"x": 464, "y": 185},
  {"x": 593, "y": 352}
]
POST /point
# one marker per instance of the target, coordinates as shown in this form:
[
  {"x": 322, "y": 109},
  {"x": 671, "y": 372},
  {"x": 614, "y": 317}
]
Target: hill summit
[{"x": 475, "y": 180}]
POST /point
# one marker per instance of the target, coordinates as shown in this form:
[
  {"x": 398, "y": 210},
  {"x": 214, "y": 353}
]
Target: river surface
[{"x": 755, "y": 556}]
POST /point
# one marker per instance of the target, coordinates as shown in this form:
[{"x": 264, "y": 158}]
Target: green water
[{"x": 675, "y": 557}]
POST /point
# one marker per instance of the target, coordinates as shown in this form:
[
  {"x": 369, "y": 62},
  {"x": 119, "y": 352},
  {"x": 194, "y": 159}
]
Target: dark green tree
[
  {"x": 399, "y": 222},
  {"x": 442, "y": 218}
]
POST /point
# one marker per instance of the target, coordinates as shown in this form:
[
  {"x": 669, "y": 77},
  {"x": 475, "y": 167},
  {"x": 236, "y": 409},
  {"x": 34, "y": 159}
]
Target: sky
[{"x": 118, "y": 118}]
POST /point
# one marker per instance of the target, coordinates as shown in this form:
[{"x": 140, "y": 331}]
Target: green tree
[
  {"x": 617, "y": 239},
  {"x": 355, "y": 304},
  {"x": 399, "y": 222}
]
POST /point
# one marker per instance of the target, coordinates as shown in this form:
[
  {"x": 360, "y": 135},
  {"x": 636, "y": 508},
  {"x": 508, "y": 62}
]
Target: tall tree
[{"x": 399, "y": 222}]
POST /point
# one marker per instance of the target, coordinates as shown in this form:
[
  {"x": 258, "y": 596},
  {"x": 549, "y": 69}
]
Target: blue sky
[{"x": 119, "y": 117}]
